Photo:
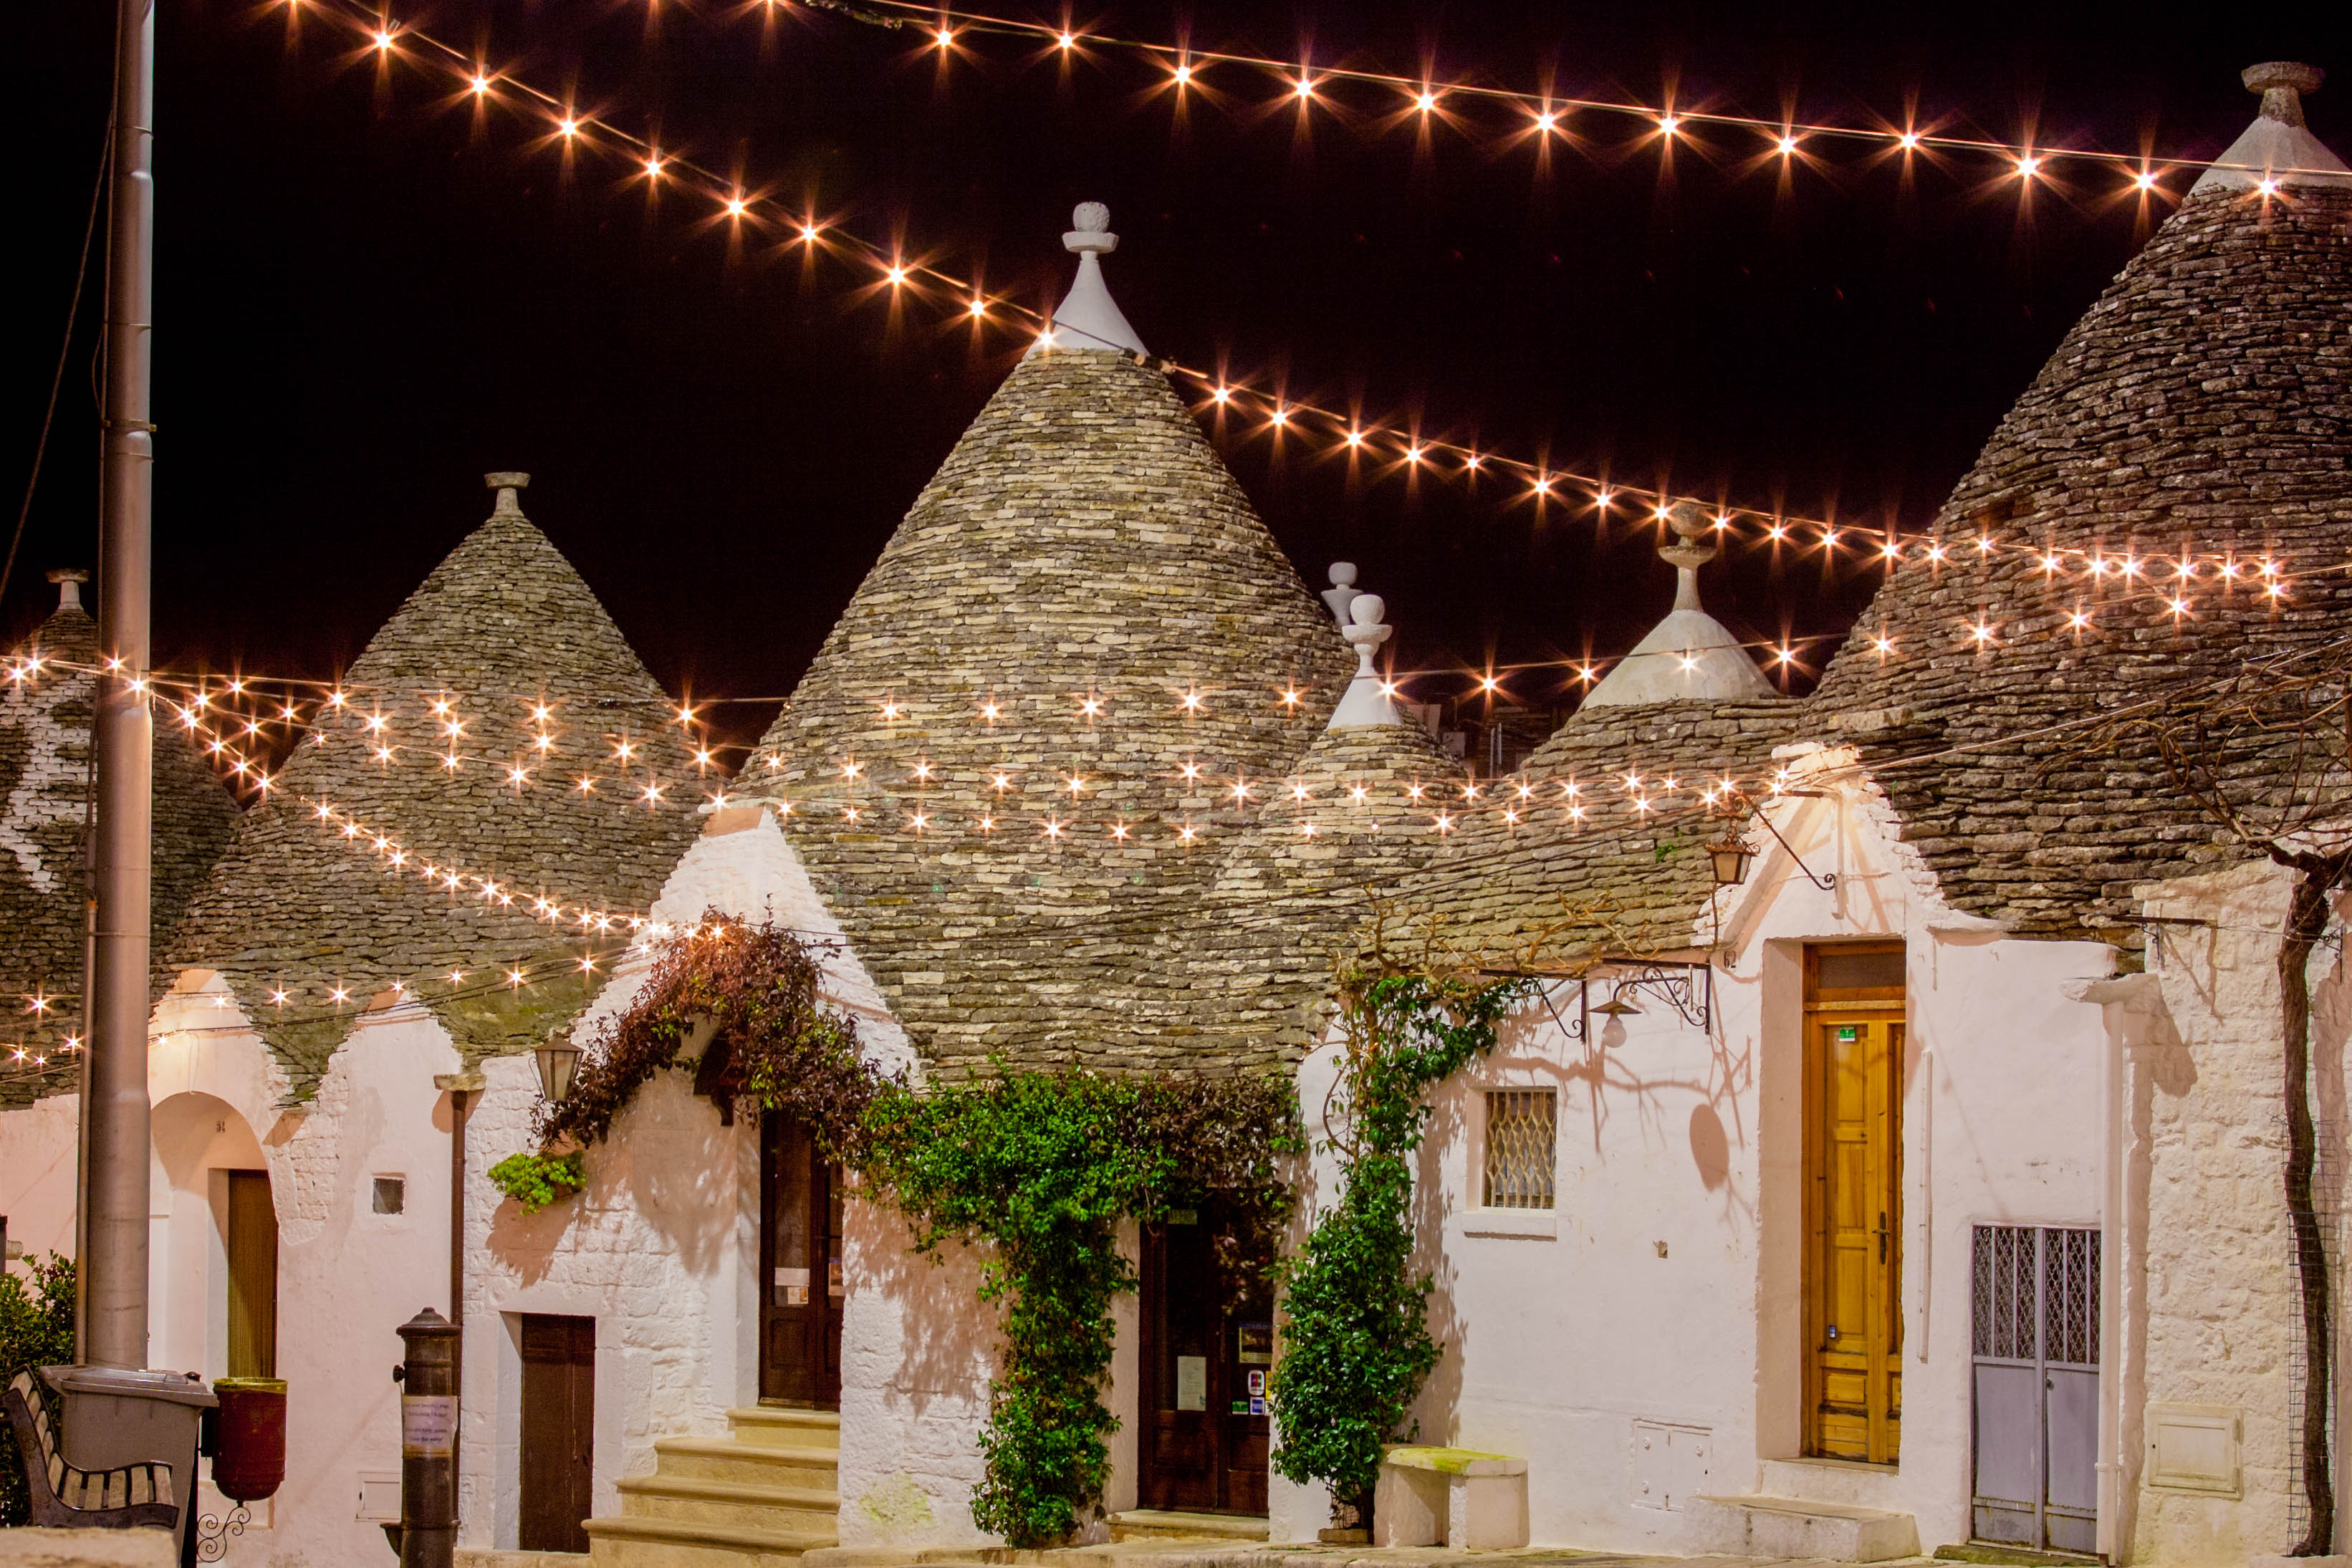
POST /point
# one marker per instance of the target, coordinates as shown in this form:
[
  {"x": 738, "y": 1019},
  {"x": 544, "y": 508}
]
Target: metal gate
[{"x": 2037, "y": 1387}]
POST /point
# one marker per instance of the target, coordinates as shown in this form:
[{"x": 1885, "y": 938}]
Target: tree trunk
[{"x": 2306, "y": 923}]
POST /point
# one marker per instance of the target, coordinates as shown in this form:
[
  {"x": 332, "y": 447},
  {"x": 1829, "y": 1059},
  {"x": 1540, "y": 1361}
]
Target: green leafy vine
[{"x": 1356, "y": 1342}]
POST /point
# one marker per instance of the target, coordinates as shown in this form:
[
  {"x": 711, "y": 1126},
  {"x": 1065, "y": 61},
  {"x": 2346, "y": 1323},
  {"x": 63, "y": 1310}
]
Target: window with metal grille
[{"x": 1519, "y": 1125}]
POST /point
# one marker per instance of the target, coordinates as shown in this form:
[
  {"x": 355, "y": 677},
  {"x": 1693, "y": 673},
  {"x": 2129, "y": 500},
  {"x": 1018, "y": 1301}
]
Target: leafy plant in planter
[
  {"x": 535, "y": 1180},
  {"x": 1356, "y": 1346}
]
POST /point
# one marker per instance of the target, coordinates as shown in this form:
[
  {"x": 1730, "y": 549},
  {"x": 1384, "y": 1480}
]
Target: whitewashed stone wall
[{"x": 2209, "y": 1159}]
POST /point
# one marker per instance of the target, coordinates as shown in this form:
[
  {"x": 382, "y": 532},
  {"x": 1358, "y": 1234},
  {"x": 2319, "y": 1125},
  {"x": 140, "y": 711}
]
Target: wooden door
[
  {"x": 1205, "y": 1357},
  {"x": 559, "y": 1431},
  {"x": 800, "y": 1259},
  {"x": 252, "y": 1276},
  {"x": 1854, "y": 1081}
]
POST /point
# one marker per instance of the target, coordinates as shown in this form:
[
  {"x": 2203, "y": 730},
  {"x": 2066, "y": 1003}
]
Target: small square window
[
  {"x": 391, "y": 1195},
  {"x": 1519, "y": 1134}
]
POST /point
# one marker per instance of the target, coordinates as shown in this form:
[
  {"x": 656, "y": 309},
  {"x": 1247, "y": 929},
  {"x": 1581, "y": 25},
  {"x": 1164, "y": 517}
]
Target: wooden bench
[
  {"x": 1459, "y": 1497},
  {"x": 63, "y": 1496}
]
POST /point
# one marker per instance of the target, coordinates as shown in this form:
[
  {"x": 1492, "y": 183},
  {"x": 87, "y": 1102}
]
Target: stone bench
[{"x": 1458, "y": 1497}]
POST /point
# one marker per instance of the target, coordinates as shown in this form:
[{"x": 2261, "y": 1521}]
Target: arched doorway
[{"x": 216, "y": 1282}]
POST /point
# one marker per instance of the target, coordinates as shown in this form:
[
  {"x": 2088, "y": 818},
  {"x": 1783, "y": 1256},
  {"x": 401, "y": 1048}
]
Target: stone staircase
[{"x": 758, "y": 1498}]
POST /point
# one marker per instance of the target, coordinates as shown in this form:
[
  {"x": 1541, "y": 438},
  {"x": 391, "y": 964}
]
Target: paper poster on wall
[
  {"x": 792, "y": 1287},
  {"x": 1256, "y": 1382},
  {"x": 1254, "y": 1344},
  {"x": 1191, "y": 1382},
  {"x": 1258, "y": 1406}
]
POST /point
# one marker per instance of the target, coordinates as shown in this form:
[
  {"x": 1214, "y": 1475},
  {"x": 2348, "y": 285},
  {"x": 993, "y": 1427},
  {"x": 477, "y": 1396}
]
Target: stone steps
[
  {"x": 758, "y": 1498},
  {"x": 1765, "y": 1526}
]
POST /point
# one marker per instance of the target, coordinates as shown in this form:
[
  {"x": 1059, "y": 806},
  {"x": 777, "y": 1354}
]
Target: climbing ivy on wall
[
  {"x": 756, "y": 988},
  {"x": 1038, "y": 1168},
  {"x": 1355, "y": 1344}
]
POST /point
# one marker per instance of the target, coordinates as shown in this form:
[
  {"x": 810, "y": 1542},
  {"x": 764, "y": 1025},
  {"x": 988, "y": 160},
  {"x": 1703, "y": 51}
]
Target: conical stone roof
[
  {"x": 501, "y": 625},
  {"x": 2202, "y": 405},
  {"x": 1081, "y": 545},
  {"x": 1302, "y": 887},
  {"x": 45, "y": 757},
  {"x": 1557, "y": 888}
]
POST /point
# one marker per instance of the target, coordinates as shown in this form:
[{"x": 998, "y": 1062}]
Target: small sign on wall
[
  {"x": 428, "y": 1425},
  {"x": 1191, "y": 1382}
]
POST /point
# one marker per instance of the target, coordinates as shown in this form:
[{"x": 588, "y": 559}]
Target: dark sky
[{"x": 367, "y": 297}]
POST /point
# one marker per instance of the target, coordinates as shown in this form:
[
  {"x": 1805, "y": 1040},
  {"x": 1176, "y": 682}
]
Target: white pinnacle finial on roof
[
  {"x": 1342, "y": 591},
  {"x": 2276, "y": 149},
  {"x": 1689, "y": 654},
  {"x": 68, "y": 579},
  {"x": 1089, "y": 318},
  {"x": 1365, "y": 703},
  {"x": 506, "y": 484}
]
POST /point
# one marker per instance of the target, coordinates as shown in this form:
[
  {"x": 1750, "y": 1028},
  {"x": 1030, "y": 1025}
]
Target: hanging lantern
[
  {"x": 1731, "y": 857},
  {"x": 1617, "y": 1006},
  {"x": 558, "y": 1060}
]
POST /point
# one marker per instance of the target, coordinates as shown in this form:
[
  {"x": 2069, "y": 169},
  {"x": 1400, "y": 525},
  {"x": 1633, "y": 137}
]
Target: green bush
[
  {"x": 1356, "y": 1346},
  {"x": 535, "y": 1181},
  {"x": 37, "y": 1329},
  {"x": 1043, "y": 1167}
]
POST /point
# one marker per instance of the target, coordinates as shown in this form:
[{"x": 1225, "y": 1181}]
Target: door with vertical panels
[
  {"x": 2035, "y": 1385},
  {"x": 559, "y": 1432},
  {"x": 1854, "y": 1095},
  {"x": 800, "y": 1265}
]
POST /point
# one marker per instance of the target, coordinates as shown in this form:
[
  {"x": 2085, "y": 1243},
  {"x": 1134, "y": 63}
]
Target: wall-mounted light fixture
[{"x": 558, "y": 1060}]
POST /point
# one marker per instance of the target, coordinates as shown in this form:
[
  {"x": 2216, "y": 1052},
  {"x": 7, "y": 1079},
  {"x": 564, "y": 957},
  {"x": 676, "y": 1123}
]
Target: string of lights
[
  {"x": 32, "y": 1063},
  {"x": 235, "y": 718},
  {"x": 1541, "y": 117},
  {"x": 746, "y": 210},
  {"x": 1715, "y": 797}
]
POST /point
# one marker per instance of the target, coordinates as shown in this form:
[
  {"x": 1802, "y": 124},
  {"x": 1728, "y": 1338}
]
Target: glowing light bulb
[
  {"x": 978, "y": 308},
  {"x": 1426, "y": 101},
  {"x": 1355, "y": 438},
  {"x": 481, "y": 84},
  {"x": 383, "y": 41},
  {"x": 735, "y": 206},
  {"x": 1304, "y": 88},
  {"x": 2028, "y": 166},
  {"x": 1290, "y": 697},
  {"x": 1471, "y": 461},
  {"x": 808, "y": 233},
  {"x": 1786, "y": 146},
  {"x": 1278, "y": 417},
  {"x": 897, "y": 275},
  {"x": 1219, "y": 395},
  {"x": 654, "y": 167},
  {"x": 1668, "y": 124},
  {"x": 1908, "y": 141},
  {"x": 1413, "y": 454},
  {"x": 2145, "y": 181},
  {"x": 1066, "y": 41},
  {"x": 567, "y": 127},
  {"x": 1183, "y": 76},
  {"x": 1547, "y": 121},
  {"x": 944, "y": 37}
]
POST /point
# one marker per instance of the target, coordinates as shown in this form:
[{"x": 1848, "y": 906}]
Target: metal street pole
[{"x": 116, "y": 1111}]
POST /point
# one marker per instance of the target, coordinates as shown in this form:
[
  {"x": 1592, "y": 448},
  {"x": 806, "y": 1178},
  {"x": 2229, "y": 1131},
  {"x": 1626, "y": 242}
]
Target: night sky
[{"x": 368, "y": 296}]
